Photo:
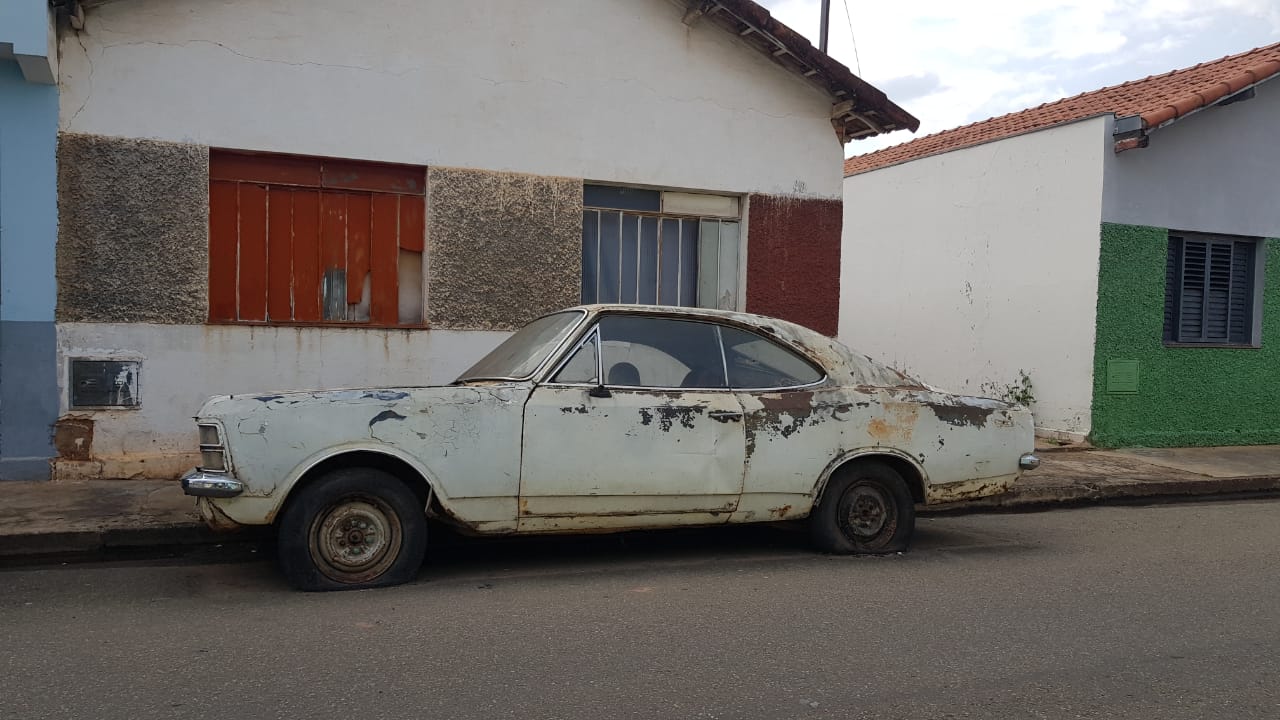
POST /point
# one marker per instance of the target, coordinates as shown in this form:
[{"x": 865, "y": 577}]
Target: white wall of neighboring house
[
  {"x": 618, "y": 91},
  {"x": 614, "y": 90},
  {"x": 968, "y": 267}
]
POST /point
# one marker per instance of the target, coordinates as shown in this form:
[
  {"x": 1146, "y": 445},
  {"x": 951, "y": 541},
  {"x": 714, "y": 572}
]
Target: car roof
[{"x": 843, "y": 366}]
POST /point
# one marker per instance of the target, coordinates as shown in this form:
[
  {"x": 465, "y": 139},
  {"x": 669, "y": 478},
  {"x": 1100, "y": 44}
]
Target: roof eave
[
  {"x": 1133, "y": 131},
  {"x": 859, "y": 110}
]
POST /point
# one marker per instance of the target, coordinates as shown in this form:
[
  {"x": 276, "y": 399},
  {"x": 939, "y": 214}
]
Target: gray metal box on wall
[{"x": 105, "y": 383}]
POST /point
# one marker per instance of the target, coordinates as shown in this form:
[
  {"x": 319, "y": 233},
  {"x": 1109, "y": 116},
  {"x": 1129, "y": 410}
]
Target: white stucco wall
[
  {"x": 1214, "y": 172},
  {"x": 184, "y": 364},
  {"x": 966, "y": 267},
  {"x": 616, "y": 90}
]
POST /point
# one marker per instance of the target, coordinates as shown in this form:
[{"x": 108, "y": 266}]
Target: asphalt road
[{"x": 1129, "y": 612}]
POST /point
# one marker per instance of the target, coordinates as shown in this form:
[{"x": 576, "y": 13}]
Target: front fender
[
  {"x": 282, "y": 491},
  {"x": 262, "y": 509}
]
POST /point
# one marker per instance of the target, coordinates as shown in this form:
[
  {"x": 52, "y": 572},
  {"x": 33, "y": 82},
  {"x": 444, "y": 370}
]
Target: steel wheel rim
[
  {"x": 865, "y": 511},
  {"x": 356, "y": 539}
]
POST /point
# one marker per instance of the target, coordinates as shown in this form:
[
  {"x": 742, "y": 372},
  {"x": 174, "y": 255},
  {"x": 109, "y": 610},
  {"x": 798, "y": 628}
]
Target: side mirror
[{"x": 600, "y": 391}]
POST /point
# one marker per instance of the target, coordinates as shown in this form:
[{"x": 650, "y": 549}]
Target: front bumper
[{"x": 199, "y": 483}]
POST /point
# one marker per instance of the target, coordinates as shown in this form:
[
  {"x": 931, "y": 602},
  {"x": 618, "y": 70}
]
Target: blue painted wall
[{"x": 28, "y": 233}]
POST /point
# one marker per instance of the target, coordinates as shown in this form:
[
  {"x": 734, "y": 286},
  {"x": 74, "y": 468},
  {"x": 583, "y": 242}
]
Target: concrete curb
[
  {"x": 76, "y": 543},
  {"x": 31, "y": 548},
  {"x": 1104, "y": 490}
]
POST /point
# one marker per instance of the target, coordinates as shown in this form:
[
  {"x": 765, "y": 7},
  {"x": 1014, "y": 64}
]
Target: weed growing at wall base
[{"x": 1019, "y": 392}]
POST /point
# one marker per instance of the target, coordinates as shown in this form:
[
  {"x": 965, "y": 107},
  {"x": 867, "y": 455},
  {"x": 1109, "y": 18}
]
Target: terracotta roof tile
[{"x": 1158, "y": 99}]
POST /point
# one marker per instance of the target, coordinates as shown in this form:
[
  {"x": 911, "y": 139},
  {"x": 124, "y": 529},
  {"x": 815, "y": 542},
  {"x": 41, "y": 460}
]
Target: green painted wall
[{"x": 1186, "y": 396}]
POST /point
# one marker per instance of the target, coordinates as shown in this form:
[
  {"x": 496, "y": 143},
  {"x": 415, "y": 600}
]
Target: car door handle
[{"x": 724, "y": 415}]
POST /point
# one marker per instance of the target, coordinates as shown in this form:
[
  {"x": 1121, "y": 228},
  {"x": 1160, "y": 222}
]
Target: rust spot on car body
[
  {"x": 968, "y": 489},
  {"x": 897, "y": 425},
  {"x": 668, "y": 415},
  {"x": 779, "y": 512},
  {"x": 961, "y": 414}
]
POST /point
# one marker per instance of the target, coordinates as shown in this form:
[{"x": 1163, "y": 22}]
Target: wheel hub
[
  {"x": 356, "y": 536},
  {"x": 867, "y": 511}
]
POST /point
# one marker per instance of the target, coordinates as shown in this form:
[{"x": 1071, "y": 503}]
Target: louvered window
[{"x": 1210, "y": 290}]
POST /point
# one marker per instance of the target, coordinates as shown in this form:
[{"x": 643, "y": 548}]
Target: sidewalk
[{"x": 92, "y": 517}]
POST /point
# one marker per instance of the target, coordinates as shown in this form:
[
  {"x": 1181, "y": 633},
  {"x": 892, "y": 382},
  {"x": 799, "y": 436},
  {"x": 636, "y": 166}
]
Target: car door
[
  {"x": 636, "y": 428},
  {"x": 795, "y": 424}
]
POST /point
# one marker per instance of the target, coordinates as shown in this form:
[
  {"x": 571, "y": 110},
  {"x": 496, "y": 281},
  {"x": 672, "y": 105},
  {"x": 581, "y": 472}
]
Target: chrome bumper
[
  {"x": 209, "y": 484},
  {"x": 1028, "y": 461}
]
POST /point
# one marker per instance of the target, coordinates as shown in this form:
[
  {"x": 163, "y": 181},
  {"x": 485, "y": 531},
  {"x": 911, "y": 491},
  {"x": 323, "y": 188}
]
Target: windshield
[{"x": 523, "y": 352}]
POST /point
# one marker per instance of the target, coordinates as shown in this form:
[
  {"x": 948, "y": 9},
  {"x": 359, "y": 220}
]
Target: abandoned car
[{"x": 603, "y": 418}]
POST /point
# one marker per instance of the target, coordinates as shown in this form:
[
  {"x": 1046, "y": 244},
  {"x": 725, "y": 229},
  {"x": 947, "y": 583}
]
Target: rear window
[{"x": 755, "y": 362}]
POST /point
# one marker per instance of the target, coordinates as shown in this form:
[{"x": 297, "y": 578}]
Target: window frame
[
  {"x": 592, "y": 334},
  {"x": 1171, "y": 336}
]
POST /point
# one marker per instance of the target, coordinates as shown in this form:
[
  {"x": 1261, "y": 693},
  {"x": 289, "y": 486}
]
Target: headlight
[
  {"x": 209, "y": 435},
  {"x": 214, "y": 460}
]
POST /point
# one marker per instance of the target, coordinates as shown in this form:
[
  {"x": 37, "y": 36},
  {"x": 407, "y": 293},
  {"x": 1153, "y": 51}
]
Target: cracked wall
[
  {"x": 133, "y": 222},
  {"x": 503, "y": 248}
]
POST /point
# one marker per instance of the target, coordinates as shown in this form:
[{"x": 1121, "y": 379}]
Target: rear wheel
[
  {"x": 866, "y": 509},
  {"x": 353, "y": 528}
]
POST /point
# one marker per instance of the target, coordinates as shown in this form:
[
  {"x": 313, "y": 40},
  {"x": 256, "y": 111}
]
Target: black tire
[
  {"x": 353, "y": 528},
  {"x": 866, "y": 509}
]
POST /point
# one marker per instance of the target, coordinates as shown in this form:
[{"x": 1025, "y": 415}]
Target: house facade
[
  {"x": 1118, "y": 249},
  {"x": 256, "y": 196},
  {"x": 28, "y": 230}
]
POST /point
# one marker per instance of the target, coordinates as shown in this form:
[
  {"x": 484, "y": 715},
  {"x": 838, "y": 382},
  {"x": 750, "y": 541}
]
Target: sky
[{"x": 951, "y": 63}]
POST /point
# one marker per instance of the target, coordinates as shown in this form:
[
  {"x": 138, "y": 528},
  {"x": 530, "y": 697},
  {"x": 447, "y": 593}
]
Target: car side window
[
  {"x": 584, "y": 366},
  {"x": 757, "y": 363},
  {"x": 638, "y": 351}
]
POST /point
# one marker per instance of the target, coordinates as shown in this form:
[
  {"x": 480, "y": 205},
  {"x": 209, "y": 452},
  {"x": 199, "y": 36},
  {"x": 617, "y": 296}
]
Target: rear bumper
[{"x": 199, "y": 483}]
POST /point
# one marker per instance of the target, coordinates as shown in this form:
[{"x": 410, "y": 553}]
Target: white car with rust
[{"x": 604, "y": 418}]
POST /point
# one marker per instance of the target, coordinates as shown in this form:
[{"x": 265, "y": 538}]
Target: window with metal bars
[
  {"x": 651, "y": 247},
  {"x": 1211, "y": 290}
]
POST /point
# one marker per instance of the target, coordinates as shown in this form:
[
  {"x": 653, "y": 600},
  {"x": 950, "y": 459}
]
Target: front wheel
[
  {"x": 866, "y": 510},
  {"x": 353, "y": 528}
]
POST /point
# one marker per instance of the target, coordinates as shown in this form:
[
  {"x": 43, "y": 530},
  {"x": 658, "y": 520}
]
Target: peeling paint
[
  {"x": 385, "y": 395},
  {"x": 385, "y": 415},
  {"x": 960, "y": 413}
]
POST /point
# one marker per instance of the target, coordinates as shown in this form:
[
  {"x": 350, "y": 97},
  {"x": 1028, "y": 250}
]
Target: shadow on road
[{"x": 455, "y": 558}]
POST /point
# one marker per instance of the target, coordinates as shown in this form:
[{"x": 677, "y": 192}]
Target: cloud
[
  {"x": 951, "y": 63},
  {"x": 910, "y": 87}
]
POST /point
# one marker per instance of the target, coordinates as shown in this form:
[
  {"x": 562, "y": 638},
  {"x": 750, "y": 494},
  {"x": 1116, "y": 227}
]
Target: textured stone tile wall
[
  {"x": 503, "y": 248},
  {"x": 133, "y": 230}
]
